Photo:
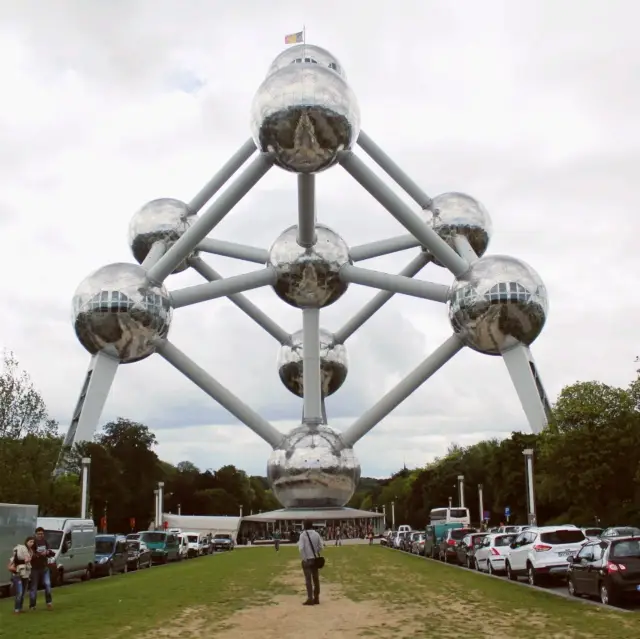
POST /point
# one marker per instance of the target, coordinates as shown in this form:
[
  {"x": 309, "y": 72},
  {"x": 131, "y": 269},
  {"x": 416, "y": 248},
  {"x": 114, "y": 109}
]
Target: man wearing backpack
[
  {"x": 310, "y": 546},
  {"x": 40, "y": 572}
]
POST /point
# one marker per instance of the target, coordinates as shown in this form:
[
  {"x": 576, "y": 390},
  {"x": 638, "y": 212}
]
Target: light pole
[
  {"x": 384, "y": 512},
  {"x": 160, "y": 502},
  {"x": 481, "y": 503},
  {"x": 240, "y": 511},
  {"x": 155, "y": 509},
  {"x": 450, "y": 502},
  {"x": 179, "y": 509},
  {"x": 531, "y": 498},
  {"x": 393, "y": 515},
  {"x": 86, "y": 465},
  {"x": 461, "y": 490}
]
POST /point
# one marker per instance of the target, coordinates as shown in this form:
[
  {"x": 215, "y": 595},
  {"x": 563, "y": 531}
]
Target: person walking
[
  {"x": 40, "y": 573},
  {"x": 20, "y": 569},
  {"x": 338, "y": 536},
  {"x": 310, "y": 546},
  {"x": 276, "y": 540}
]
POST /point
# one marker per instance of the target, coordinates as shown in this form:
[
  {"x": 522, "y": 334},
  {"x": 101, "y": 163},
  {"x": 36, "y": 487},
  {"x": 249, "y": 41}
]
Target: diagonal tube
[
  {"x": 185, "y": 245},
  {"x": 222, "y": 288},
  {"x": 311, "y": 382},
  {"x": 394, "y": 283},
  {"x": 156, "y": 251},
  {"x": 306, "y": 210},
  {"x": 232, "y": 165},
  {"x": 379, "y": 300},
  {"x": 244, "y": 304},
  {"x": 219, "y": 393},
  {"x": 394, "y": 171},
  {"x": 236, "y": 251},
  {"x": 402, "y": 390},
  {"x": 465, "y": 249},
  {"x": 382, "y": 247},
  {"x": 428, "y": 238}
]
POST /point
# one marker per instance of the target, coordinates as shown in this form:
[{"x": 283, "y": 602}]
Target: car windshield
[
  {"x": 133, "y": 536},
  {"x": 511, "y": 529},
  {"x": 104, "y": 546},
  {"x": 593, "y": 532},
  {"x": 458, "y": 513},
  {"x": 54, "y": 538},
  {"x": 193, "y": 539},
  {"x": 557, "y": 537},
  {"x": 459, "y": 533},
  {"x": 625, "y": 532},
  {"x": 477, "y": 539},
  {"x": 630, "y": 548},
  {"x": 225, "y": 537},
  {"x": 133, "y": 545},
  {"x": 503, "y": 540},
  {"x": 153, "y": 537}
]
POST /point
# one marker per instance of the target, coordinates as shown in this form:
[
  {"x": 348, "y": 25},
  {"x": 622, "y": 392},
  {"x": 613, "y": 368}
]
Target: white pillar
[
  {"x": 86, "y": 464},
  {"x": 461, "y": 490},
  {"x": 160, "y": 503},
  {"x": 393, "y": 515},
  {"x": 531, "y": 499},
  {"x": 481, "y": 503}
]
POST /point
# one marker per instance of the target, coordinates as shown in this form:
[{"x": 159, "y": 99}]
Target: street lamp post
[
  {"x": 531, "y": 499},
  {"x": 461, "y": 490},
  {"x": 481, "y": 503},
  {"x": 393, "y": 515},
  {"x": 450, "y": 502},
  {"x": 155, "y": 509},
  {"x": 84, "y": 500},
  {"x": 160, "y": 503}
]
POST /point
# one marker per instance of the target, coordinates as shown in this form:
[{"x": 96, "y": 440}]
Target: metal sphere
[
  {"x": 305, "y": 114},
  {"x": 118, "y": 312},
  {"x": 307, "y": 54},
  {"x": 312, "y": 468},
  {"x": 499, "y": 302},
  {"x": 334, "y": 364},
  {"x": 460, "y": 214},
  {"x": 309, "y": 277},
  {"x": 163, "y": 220}
]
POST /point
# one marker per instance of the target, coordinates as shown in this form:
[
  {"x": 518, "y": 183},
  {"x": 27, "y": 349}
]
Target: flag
[{"x": 294, "y": 38}]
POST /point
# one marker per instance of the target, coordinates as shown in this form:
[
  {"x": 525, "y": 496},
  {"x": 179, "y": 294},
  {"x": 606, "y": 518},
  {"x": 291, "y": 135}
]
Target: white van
[
  {"x": 404, "y": 528},
  {"x": 196, "y": 543},
  {"x": 183, "y": 544},
  {"x": 74, "y": 542}
]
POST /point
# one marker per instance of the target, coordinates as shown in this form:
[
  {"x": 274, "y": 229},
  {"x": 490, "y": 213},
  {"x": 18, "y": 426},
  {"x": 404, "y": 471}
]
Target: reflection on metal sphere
[
  {"x": 116, "y": 311},
  {"x": 305, "y": 114},
  {"x": 309, "y": 277},
  {"x": 307, "y": 54},
  {"x": 159, "y": 220},
  {"x": 459, "y": 214},
  {"x": 312, "y": 468},
  {"x": 334, "y": 364},
  {"x": 497, "y": 303}
]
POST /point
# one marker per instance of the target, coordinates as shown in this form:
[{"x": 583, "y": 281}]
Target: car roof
[{"x": 551, "y": 528}]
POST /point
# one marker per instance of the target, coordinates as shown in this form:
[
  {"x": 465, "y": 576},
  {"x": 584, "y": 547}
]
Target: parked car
[
  {"x": 490, "y": 555},
  {"x": 433, "y": 535},
  {"x": 417, "y": 547},
  {"x": 511, "y": 529},
  {"x": 164, "y": 546},
  {"x": 223, "y": 542},
  {"x": 466, "y": 548},
  {"x": 398, "y": 540},
  {"x": 608, "y": 569},
  {"x": 111, "y": 555},
  {"x": 620, "y": 531},
  {"x": 385, "y": 540},
  {"x": 592, "y": 534},
  {"x": 138, "y": 555},
  {"x": 407, "y": 542},
  {"x": 543, "y": 552},
  {"x": 447, "y": 547}
]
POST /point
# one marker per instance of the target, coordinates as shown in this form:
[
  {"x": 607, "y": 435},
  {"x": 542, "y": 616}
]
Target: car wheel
[
  {"x": 511, "y": 576},
  {"x": 604, "y": 594},
  {"x": 87, "y": 574},
  {"x": 571, "y": 587},
  {"x": 531, "y": 576}
]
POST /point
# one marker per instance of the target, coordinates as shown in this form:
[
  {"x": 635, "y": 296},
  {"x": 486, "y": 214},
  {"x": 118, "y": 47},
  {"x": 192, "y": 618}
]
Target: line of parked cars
[{"x": 593, "y": 562}]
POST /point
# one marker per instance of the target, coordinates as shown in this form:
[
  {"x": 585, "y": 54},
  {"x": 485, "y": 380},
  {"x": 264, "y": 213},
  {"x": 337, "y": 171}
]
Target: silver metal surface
[
  {"x": 334, "y": 364},
  {"x": 309, "y": 277},
  {"x": 497, "y": 304},
  {"x": 382, "y": 247},
  {"x": 313, "y": 408},
  {"x": 234, "y": 250},
  {"x": 306, "y": 209},
  {"x": 312, "y": 468},
  {"x": 307, "y": 54},
  {"x": 305, "y": 113},
  {"x": 455, "y": 214},
  {"x": 164, "y": 220},
  {"x": 118, "y": 312}
]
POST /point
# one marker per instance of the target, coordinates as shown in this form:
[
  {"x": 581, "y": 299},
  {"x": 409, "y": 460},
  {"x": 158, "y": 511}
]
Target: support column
[
  {"x": 84, "y": 498},
  {"x": 382, "y": 247},
  {"x": 161, "y": 504},
  {"x": 481, "y": 503},
  {"x": 393, "y": 515},
  {"x": 156, "y": 508},
  {"x": 461, "y": 490},
  {"x": 306, "y": 210},
  {"x": 531, "y": 498},
  {"x": 157, "y": 250},
  {"x": 311, "y": 380}
]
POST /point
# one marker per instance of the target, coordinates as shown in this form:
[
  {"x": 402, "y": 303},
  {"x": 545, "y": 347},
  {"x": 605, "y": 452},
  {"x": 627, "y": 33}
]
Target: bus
[{"x": 450, "y": 516}]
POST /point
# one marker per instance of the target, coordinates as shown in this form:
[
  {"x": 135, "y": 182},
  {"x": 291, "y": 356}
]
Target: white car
[
  {"x": 490, "y": 555},
  {"x": 542, "y": 552},
  {"x": 510, "y": 530}
]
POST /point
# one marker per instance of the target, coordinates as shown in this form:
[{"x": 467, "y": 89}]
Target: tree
[{"x": 22, "y": 409}]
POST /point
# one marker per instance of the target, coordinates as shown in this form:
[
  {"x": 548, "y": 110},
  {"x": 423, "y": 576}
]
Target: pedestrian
[
  {"x": 338, "y": 536},
  {"x": 20, "y": 569},
  {"x": 310, "y": 546},
  {"x": 276, "y": 539},
  {"x": 40, "y": 573}
]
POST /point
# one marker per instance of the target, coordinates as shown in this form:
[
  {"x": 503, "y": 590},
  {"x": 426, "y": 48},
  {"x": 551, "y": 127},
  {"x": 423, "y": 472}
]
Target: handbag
[{"x": 318, "y": 560}]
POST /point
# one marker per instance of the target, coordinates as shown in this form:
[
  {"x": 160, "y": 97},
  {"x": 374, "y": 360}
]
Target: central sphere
[
  {"x": 118, "y": 312},
  {"x": 163, "y": 220},
  {"x": 497, "y": 304},
  {"x": 309, "y": 277},
  {"x": 334, "y": 364},
  {"x": 304, "y": 112},
  {"x": 312, "y": 468}
]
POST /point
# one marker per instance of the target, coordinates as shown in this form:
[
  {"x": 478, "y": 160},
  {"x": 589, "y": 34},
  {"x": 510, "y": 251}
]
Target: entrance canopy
[{"x": 313, "y": 514}]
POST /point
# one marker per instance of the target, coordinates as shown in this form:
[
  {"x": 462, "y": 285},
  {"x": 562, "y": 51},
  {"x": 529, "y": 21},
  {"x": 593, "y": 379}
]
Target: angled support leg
[
  {"x": 93, "y": 396},
  {"x": 158, "y": 249},
  {"x": 311, "y": 378},
  {"x": 465, "y": 250},
  {"x": 403, "y": 389},
  {"x": 528, "y": 385},
  {"x": 236, "y": 251},
  {"x": 382, "y": 247},
  {"x": 219, "y": 393}
]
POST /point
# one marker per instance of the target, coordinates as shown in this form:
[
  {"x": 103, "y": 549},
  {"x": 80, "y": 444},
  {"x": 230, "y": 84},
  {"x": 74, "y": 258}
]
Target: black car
[
  {"x": 608, "y": 569},
  {"x": 111, "y": 555},
  {"x": 447, "y": 547},
  {"x": 138, "y": 555},
  {"x": 223, "y": 542},
  {"x": 466, "y": 548}
]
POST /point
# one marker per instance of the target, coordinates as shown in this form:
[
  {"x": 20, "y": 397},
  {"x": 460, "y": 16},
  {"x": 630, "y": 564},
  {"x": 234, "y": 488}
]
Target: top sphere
[
  {"x": 497, "y": 304},
  {"x": 118, "y": 312},
  {"x": 163, "y": 220},
  {"x": 309, "y": 277},
  {"x": 460, "y": 214},
  {"x": 309, "y": 54}
]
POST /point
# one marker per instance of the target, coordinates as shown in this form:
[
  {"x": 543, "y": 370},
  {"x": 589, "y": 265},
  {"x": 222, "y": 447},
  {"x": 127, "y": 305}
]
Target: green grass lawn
[{"x": 404, "y": 597}]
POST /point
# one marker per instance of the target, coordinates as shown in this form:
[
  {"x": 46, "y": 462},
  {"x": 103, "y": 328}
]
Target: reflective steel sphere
[
  {"x": 497, "y": 303},
  {"x": 312, "y": 468},
  {"x": 334, "y": 364},
  {"x": 459, "y": 214},
  {"x": 305, "y": 114},
  {"x": 164, "y": 219},
  {"x": 307, "y": 54},
  {"x": 115, "y": 310},
  {"x": 309, "y": 277}
]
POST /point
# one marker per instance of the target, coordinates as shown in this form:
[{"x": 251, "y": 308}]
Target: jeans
[
  {"x": 277, "y": 544},
  {"x": 38, "y": 576},
  {"x": 20, "y": 588},
  {"x": 311, "y": 579}
]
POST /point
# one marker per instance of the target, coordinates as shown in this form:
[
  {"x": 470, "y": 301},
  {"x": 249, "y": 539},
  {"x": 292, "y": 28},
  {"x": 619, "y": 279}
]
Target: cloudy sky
[{"x": 531, "y": 107}]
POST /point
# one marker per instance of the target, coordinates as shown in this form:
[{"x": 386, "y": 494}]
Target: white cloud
[{"x": 531, "y": 107}]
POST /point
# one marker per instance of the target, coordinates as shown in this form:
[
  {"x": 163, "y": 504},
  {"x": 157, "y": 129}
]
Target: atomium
[
  {"x": 334, "y": 364},
  {"x": 305, "y": 119}
]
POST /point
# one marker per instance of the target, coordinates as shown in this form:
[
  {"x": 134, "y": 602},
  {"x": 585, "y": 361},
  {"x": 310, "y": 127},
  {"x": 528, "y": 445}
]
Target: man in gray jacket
[{"x": 310, "y": 546}]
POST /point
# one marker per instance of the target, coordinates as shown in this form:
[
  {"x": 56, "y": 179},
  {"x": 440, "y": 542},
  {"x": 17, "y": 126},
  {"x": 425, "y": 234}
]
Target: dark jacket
[{"x": 42, "y": 552}]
